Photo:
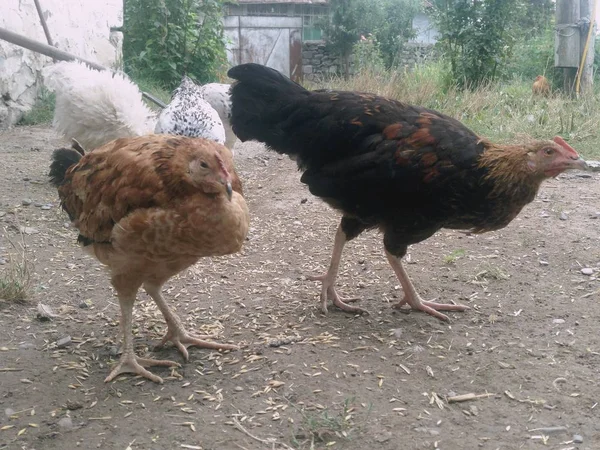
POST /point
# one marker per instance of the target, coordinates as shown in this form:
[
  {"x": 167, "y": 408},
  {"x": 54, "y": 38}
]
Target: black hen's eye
[
  {"x": 204, "y": 165},
  {"x": 549, "y": 151}
]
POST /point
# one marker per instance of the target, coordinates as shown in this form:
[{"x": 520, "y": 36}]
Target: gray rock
[
  {"x": 563, "y": 216},
  {"x": 2, "y": 261},
  {"x": 47, "y": 207},
  {"x": 431, "y": 431},
  {"x": 9, "y": 412},
  {"x": 587, "y": 271},
  {"x": 29, "y": 230},
  {"x": 63, "y": 342},
  {"x": 26, "y": 202},
  {"x": 577, "y": 439},
  {"x": 26, "y": 345},
  {"x": 66, "y": 423}
]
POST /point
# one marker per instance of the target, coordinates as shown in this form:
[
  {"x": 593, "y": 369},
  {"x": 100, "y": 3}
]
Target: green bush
[
  {"x": 42, "y": 111},
  {"x": 165, "y": 39}
]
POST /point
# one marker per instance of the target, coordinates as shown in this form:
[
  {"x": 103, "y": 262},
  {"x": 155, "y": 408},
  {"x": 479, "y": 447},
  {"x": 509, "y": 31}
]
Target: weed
[
  {"x": 15, "y": 276},
  {"x": 324, "y": 427},
  {"x": 42, "y": 111},
  {"x": 453, "y": 256}
]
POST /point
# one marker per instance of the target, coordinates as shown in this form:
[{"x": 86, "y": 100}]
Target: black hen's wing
[{"x": 387, "y": 158}]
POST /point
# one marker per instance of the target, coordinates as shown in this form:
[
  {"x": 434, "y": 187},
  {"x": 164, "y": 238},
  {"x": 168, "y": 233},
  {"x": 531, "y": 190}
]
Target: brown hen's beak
[
  {"x": 579, "y": 163},
  {"x": 229, "y": 190}
]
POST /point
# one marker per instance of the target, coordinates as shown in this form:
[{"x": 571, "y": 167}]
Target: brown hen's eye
[
  {"x": 203, "y": 164},
  {"x": 549, "y": 151}
]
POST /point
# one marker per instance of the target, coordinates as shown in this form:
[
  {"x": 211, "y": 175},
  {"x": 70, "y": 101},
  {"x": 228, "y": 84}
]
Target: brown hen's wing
[
  {"x": 196, "y": 226},
  {"x": 128, "y": 174}
]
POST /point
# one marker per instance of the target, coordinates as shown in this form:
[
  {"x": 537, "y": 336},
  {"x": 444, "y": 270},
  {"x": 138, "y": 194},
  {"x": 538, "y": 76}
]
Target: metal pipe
[
  {"x": 43, "y": 21},
  {"x": 55, "y": 53}
]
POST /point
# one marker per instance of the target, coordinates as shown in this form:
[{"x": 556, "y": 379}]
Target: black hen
[{"x": 406, "y": 170}]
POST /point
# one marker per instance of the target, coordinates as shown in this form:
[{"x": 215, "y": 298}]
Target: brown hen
[{"x": 148, "y": 208}]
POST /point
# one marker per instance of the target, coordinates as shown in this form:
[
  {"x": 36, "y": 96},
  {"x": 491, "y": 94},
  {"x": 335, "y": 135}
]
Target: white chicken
[
  {"x": 96, "y": 107},
  {"x": 217, "y": 94}
]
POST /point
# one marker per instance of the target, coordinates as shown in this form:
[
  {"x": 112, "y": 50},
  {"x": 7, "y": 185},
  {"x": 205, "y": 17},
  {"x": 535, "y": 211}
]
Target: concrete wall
[{"x": 81, "y": 27}]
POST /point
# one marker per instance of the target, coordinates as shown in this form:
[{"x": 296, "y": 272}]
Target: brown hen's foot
[
  {"x": 182, "y": 340},
  {"x": 129, "y": 363},
  {"x": 431, "y": 308},
  {"x": 328, "y": 292}
]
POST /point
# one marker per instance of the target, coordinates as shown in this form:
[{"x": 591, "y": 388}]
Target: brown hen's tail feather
[{"x": 62, "y": 159}]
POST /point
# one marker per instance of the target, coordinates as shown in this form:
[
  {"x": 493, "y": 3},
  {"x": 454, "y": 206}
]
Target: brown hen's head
[
  {"x": 550, "y": 158},
  {"x": 208, "y": 171}
]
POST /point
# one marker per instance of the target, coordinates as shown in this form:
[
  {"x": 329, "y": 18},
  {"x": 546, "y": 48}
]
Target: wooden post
[
  {"x": 567, "y": 42},
  {"x": 587, "y": 72}
]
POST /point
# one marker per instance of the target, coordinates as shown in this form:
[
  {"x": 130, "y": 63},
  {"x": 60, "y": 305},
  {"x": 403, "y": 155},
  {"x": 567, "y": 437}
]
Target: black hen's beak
[{"x": 229, "y": 190}]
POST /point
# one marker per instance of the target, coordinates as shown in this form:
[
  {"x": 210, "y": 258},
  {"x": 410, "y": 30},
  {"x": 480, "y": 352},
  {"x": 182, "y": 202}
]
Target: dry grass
[
  {"x": 502, "y": 111},
  {"x": 15, "y": 276}
]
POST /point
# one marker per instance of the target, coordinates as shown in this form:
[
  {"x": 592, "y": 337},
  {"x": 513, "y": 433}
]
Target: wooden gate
[{"x": 273, "y": 41}]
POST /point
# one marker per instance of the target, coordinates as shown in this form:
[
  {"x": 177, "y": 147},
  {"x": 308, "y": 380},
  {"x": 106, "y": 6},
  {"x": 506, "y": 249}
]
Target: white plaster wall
[{"x": 80, "y": 27}]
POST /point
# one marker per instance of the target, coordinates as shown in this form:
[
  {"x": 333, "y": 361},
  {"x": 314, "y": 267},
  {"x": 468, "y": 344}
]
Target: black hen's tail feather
[
  {"x": 260, "y": 99},
  {"x": 62, "y": 159}
]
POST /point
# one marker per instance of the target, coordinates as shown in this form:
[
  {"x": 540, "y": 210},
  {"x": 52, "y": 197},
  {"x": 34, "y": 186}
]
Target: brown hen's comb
[
  {"x": 560, "y": 141},
  {"x": 222, "y": 164}
]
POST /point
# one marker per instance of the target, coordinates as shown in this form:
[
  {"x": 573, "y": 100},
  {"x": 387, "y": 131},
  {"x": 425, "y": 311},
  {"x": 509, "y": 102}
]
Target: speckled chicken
[
  {"x": 188, "y": 114},
  {"x": 148, "y": 208},
  {"x": 406, "y": 170}
]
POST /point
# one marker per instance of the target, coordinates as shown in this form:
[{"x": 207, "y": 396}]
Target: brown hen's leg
[
  {"x": 412, "y": 298},
  {"x": 175, "y": 331},
  {"x": 129, "y": 363},
  {"x": 328, "y": 280}
]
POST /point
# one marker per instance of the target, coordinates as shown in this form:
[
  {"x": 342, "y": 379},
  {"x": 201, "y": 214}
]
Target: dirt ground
[{"x": 528, "y": 346}]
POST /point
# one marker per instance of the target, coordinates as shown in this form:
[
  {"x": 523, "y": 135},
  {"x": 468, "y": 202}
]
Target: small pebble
[
  {"x": 63, "y": 342},
  {"x": 38, "y": 205},
  {"x": 113, "y": 351},
  {"x": 2, "y": 261},
  {"x": 26, "y": 202},
  {"x": 303, "y": 201},
  {"x": 46, "y": 207},
  {"x": 26, "y": 345},
  {"x": 558, "y": 321},
  {"x": 577, "y": 439},
  {"x": 9, "y": 412},
  {"x": 563, "y": 216},
  {"x": 85, "y": 304},
  {"x": 66, "y": 423},
  {"x": 587, "y": 271},
  {"x": 543, "y": 263}
]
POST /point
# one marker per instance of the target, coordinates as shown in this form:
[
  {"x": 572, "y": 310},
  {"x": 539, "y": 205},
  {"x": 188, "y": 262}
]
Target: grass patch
[
  {"x": 324, "y": 428},
  {"x": 15, "y": 275},
  {"x": 505, "y": 112},
  {"x": 454, "y": 255},
  {"x": 42, "y": 111},
  {"x": 152, "y": 87}
]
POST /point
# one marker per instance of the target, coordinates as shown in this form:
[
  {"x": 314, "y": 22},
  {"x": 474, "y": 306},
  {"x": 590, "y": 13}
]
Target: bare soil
[{"x": 303, "y": 379}]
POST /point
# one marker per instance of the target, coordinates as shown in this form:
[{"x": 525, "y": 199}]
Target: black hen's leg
[
  {"x": 347, "y": 230},
  {"x": 394, "y": 251}
]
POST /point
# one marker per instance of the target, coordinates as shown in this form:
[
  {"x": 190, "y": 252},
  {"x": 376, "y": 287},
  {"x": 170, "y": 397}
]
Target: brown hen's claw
[
  {"x": 182, "y": 340},
  {"x": 129, "y": 363}
]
